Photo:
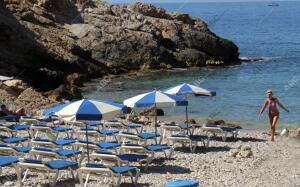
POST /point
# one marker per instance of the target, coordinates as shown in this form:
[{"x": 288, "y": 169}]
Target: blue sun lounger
[
  {"x": 15, "y": 151},
  {"x": 37, "y": 142},
  {"x": 224, "y": 131},
  {"x": 109, "y": 157},
  {"x": 42, "y": 152},
  {"x": 10, "y": 161},
  {"x": 99, "y": 134},
  {"x": 37, "y": 128},
  {"x": 47, "y": 167},
  {"x": 191, "y": 140},
  {"x": 91, "y": 124},
  {"x": 82, "y": 144},
  {"x": 110, "y": 173},
  {"x": 149, "y": 149},
  {"x": 10, "y": 118},
  {"x": 108, "y": 145},
  {"x": 13, "y": 129},
  {"x": 173, "y": 127},
  {"x": 142, "y": 138},
  {"x": 14, "y": 140}
]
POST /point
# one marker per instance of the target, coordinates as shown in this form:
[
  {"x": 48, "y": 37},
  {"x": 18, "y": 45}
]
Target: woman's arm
[
  {"x": 263, "y": 107},
  {"x": 281, "y": 105}
]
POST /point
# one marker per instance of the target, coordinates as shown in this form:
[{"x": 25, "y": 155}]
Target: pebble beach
[{"x": 222, "y": 164}]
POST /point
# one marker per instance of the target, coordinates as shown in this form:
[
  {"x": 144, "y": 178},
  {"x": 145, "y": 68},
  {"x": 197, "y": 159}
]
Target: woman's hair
[{"x": 269, "y": 91}]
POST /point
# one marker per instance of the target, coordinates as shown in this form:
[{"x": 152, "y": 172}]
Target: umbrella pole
[
  {"x": 187, "y": 120},
  {"x": 87, "y": 143},
  {"x": 186, "y": 117},
  {"x": 155, "y": 123}
]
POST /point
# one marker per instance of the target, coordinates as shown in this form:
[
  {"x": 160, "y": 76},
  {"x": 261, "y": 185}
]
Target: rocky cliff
[{"x": 54, "y": 44}]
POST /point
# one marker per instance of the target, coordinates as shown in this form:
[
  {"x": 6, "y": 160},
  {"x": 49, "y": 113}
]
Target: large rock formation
[
  {"x": 45, "y": 42},
  {"x": 16, "y": 95}
]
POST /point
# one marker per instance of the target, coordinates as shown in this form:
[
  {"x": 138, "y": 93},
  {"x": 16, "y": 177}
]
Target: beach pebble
[
  {"x": 246, "y": 153},
  {"x": 234, "y": 152},
  {"x": 8, "y": 183},
  {"x": 246, "y": 148}
]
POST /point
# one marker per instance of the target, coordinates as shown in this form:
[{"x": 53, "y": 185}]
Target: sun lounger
[
  {"x": 173, "y": 127},
  {"x": 14, "y": 129},
  {"x": 131, "y": 126},
  {"x": 97, "y": 124},
  {"x": 110, "y": 173},
  {"x": 47, "y": 167},
  {"x": 141, "y": 138},
  {"x": 14, "y": 140},
  {"x": 108, "y": 145},
  {"x": 42, "y": 152},
  {"x": 108, "y": 157},
  {"x": 191, "y": 140},
  {"x": 36, "y": 129},
  {"x": 100, "y": 135},
  {"x": 82, "y": 144},
  {"x": 90, "y": 124},
  {"x": 115, "y": 124},
  {"x": 10, "y": 118},
  {"x": 10, "y": 161},
  {"x": 121, "y": 124},
  {"x": 29, "y": 121},
  {"x": 12, "y": 150},
  {"x": 149, "y": 149},
  {"x": 42, "y": 142},
  {"x": 214, "y": 130}
]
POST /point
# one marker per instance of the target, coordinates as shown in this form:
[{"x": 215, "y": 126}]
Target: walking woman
[{"x": 272, "y": 102}]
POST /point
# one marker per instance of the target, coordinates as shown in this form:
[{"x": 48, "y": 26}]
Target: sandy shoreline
[{"x": 272, "y": 164}]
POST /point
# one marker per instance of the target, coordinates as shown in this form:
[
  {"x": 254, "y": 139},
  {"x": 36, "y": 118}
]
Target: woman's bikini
[{"x": 273, "y": 111}]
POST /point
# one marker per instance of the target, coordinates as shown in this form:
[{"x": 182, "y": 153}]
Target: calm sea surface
[{"x": 259, "y": 31}]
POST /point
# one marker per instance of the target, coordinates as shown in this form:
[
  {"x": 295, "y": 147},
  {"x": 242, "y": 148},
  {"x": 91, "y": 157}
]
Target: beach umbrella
[
  {"x": 155, "y": 99},
  {"x": 87, "y": 110},
  {"x": 51, "y": 111},
  {"x": 189, "y": 89}
]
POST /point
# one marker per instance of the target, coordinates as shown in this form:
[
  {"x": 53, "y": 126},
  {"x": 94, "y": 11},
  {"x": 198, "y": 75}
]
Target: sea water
[{"x": 259, "y": 30}]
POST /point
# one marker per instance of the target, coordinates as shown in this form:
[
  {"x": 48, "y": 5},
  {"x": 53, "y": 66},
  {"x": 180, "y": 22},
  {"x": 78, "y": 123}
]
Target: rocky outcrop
[
  {"x": 52, "y": 43},
  {"x": 17, "y": 85},
  {"x": 16, "y": 97}
]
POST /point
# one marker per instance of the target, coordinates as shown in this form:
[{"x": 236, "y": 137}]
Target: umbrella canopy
[
  {"x": 185, "y": 89},
  {"x": 86, "y": 110},
  {"x": 155, "y": 99},
  {"x": 51, "y": 111}
]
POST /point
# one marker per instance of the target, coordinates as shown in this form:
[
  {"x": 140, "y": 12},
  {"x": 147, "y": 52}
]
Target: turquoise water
[{"x": 259, "y": 31}]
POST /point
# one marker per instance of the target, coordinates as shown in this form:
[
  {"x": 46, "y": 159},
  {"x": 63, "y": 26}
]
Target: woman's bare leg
[
  {"x": 275, "y": 119},
  {"x": 271, "y": 122}
]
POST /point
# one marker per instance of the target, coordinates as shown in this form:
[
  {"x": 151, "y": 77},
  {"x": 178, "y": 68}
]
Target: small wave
[{"x": 257, "y": 59}]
